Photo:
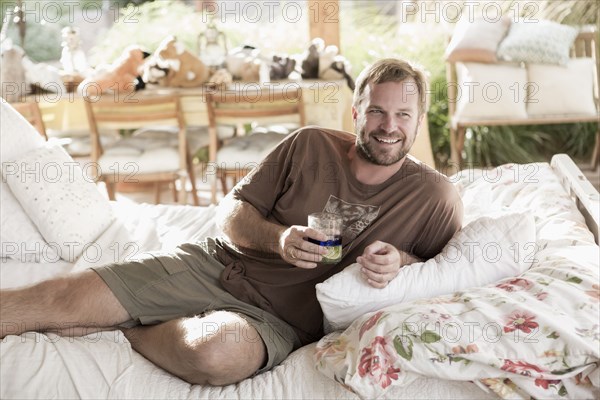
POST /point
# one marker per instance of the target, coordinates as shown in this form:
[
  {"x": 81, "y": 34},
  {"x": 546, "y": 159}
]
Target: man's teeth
[{"x": 388, "y": 141}]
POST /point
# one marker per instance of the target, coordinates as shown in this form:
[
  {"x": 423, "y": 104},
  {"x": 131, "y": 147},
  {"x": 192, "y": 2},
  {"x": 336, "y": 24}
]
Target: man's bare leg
[
  {"x": 218, "y": 349},
  {"x": 82, "y": 300}
]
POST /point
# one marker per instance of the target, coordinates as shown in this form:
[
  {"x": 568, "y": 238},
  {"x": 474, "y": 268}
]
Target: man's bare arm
[{"x": 246, "y": 227}]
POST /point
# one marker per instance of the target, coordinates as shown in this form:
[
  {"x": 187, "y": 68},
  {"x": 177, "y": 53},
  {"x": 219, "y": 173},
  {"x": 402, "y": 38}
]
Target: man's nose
[{"x": 389, "y": 123}]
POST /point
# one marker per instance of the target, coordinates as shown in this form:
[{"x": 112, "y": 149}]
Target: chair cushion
[
  {"x": 131, "y": 161},
  {"x": 561, "y": 89},
  {"x": 197, "y": 136},
  {"x": 545, "y": 42},
  {"x": 247, "y": 151},
  {"x": 477, "y": 41},
  {"x": 282, "y": 129},
  {"x": 152, "y": 149},
  {"x": 489, "y": 91}
]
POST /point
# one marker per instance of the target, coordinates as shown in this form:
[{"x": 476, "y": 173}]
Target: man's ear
[
  {"x": 354, "y": 115},
  {"x": 420, "y": 121}
]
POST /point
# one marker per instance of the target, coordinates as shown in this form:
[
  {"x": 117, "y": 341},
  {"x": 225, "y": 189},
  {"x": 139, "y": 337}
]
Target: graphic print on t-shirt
[{"x": 356, "y": 216}]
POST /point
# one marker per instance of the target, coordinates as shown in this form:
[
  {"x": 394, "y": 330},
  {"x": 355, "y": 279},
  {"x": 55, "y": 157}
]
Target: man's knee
[{"x": 221, "y": 349}]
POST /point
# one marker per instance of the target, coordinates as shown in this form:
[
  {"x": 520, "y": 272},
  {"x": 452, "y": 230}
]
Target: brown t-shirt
[{"x": 417, "y": 210}]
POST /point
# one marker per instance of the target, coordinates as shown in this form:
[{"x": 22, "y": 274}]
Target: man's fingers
[
  {"x": 377, "y": 284},
  {"x": 313, "y": 248},
  {"x": 377, "y": 247},
  {"x": 377, "y": 280},
  {"x": 315, "y": 234},
  {"x": 380, "y": 278},
  {"x": 313, "y": 256},
  {"x": 377, "y": 261},
  {"x": 296, "y": 250},
  {"x": 304, "y": 264}
]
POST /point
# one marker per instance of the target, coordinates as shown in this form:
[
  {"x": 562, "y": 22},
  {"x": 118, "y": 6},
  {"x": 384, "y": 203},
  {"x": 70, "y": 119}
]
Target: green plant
[{"x": 41, "y": 38}]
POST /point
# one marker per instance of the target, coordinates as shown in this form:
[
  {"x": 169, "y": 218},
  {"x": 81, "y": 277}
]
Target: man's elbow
[{"x": 227, "y": 211}]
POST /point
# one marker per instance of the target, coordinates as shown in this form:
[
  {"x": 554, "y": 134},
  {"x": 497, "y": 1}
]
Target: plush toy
[
  {"x": 123, "y": 75},
  {"x": 183, "y": 68},
  {"x": 251, "y": 70},
  {"x": 281, "y": 67},
  {"x": 333, "y": 66},
  {"x": 320, "y": 62},
  {"x": 153, "y": 73},
  {"x": 310, "y": 62},
  {"x": 44, "y": 76},
  {"x": 221, "y": 77},
  {"x": 341, "y": 68},
  {"x": 241, "y": 63}
]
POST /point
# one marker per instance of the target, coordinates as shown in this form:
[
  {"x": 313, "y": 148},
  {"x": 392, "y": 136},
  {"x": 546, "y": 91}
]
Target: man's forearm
[{"x": 247, "y": 228}]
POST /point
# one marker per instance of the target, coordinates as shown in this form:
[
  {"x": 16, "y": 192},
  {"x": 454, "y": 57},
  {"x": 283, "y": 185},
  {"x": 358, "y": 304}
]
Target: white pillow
[
  {"x": 490, "y": 91},
  {"x": 543, "y": 42},
  {"x": 485, "y": 251},
  {"x": 62, "y": 202},
  {"x": 559, "y": 89},
  {"x": 17, "y": 136},
  {"x": 20, "y": 238},
  {"x": 476, "y": 40}
]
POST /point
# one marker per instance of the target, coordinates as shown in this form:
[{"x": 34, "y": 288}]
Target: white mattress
[{"x": 104, "y": 365}]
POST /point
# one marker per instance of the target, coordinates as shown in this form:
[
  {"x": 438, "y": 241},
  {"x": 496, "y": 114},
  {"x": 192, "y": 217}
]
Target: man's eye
[{"x": 375, "y": 111}]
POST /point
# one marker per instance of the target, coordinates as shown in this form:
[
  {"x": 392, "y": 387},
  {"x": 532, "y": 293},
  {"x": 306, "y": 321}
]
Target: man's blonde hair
[{"x": 392, "y": 70}]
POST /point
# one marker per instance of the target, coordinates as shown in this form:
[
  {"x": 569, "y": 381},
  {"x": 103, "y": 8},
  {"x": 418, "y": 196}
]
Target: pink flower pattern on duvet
[
  {"x": 515, "y": 284},
  {"x": 521, "y": 367},
  {"x": 370, "y": 323},
  {"x": 522, "y": 321},
  {"x": 377, "y": 362}
]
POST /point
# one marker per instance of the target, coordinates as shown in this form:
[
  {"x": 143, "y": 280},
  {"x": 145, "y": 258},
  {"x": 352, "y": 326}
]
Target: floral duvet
[{"x": 534, "y": 335}]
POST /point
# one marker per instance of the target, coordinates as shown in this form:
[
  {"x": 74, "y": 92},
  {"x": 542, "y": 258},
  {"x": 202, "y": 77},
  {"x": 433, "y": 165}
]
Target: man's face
[{"x": 386, "y": 121}]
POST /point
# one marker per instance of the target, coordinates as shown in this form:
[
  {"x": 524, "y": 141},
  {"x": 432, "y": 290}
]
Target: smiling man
[{"x": 222, "y": 310}]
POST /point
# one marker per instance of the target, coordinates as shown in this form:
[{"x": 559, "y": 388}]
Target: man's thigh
[
  {"x": 185, "y": 283},
  {"x": 159, "y": 287}
]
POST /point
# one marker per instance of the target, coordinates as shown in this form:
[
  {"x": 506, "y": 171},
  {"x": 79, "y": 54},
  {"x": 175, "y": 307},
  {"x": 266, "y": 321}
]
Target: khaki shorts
[{"x": 160, "y": 287}]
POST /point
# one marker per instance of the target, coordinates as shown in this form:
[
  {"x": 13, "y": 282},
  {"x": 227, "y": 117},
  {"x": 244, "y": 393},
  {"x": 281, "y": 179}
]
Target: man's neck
[{"x": 369, "y": 173}]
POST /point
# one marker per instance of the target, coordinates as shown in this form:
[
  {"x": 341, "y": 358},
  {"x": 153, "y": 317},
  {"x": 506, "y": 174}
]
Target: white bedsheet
[
  {"x": 137, "y": 228},
  {"x": 103, "y": 365}
]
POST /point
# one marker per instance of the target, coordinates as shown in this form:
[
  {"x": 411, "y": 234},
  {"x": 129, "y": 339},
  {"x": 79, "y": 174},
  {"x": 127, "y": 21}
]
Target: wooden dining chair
[
  {"x": 270, "y": 113},
  {"x": 160, "y": 156},
  {"x": 31, "y": 112}
]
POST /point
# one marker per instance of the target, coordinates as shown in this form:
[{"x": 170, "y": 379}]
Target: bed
[
  {"x": 103, "y": 365},
  {"x": 56, "y": 203}
]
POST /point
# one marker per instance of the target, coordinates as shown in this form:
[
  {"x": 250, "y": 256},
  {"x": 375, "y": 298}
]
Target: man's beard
[{"x": 368, "y": 152}]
